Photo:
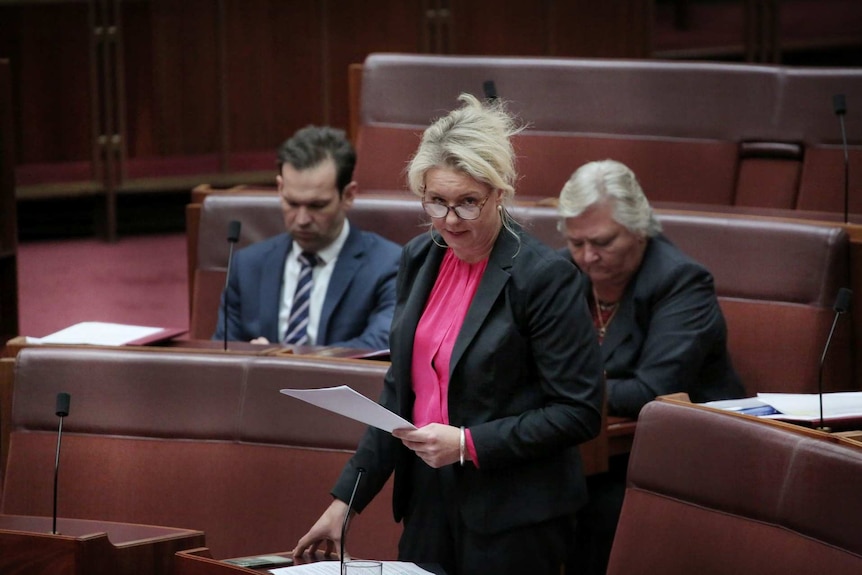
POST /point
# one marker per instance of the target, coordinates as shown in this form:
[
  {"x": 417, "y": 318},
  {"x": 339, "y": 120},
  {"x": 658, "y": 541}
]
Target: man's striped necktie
[{"x": 297, "y": 325}]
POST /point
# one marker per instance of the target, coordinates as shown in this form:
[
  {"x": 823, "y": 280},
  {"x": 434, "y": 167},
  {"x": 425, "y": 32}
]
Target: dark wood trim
[{"x": 8, "y": 213}]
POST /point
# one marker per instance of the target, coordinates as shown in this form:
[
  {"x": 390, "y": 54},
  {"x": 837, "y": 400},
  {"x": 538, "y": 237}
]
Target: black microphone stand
[
  {"x": 232, "y": 237},
  {"x": 347, "y": 517},
  {"x": 842, "y": 304},
  {"x": 839, "y": 105},
  {"x": 62, "y": 411}
]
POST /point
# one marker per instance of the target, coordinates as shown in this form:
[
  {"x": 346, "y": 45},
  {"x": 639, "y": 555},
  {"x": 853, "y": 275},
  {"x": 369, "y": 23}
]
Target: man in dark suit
[{"x": 324, "y": 282}]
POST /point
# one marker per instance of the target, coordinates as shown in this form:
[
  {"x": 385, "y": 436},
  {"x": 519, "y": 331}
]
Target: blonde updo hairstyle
[{"x": 474, "y": 139}]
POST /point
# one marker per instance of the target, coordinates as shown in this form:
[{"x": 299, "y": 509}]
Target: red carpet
[{"x": 140, "y": 280}]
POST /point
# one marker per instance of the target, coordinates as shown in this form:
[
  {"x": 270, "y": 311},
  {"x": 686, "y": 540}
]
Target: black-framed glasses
[{"x": 464, "y": 211}]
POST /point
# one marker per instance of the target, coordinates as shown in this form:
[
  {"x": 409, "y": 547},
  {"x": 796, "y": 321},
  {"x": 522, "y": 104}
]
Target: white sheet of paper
[
  {"x": 334, "y": 568},
  {"x": 350, "y": 403},
  {"x": 806, "y": 406},
  {"x": 97, "y": 333}
]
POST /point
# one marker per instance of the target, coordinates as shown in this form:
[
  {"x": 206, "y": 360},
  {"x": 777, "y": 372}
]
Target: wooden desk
[
  {"x": 27, "y": 546},
  {"x": 855, "y": 436},
  {"x": 201, "y": 562},
  {"x": 16, "y": 344},
  {"x": 621, "y": 434}
]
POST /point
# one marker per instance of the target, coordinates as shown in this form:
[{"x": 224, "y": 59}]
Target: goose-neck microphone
[
  {"x": 62, "y": 411},
  {"x": 360, "y": 471},
  {"x": 842, "y": 304},
  {"x": 839, "y": 106},
  {"x": 233, "y": 229}
]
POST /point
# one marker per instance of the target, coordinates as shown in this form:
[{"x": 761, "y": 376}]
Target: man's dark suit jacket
[
  {"x": 359, "y": 303},
  {"x": 667, "y": 336},
  {"x": 525, "y": 378}
]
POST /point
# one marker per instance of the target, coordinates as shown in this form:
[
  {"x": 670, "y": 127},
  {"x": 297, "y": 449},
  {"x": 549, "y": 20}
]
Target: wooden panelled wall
[
  {"x": 141, "y": 95},
  {"x": 122, "y": 96},
  {"x": 8, "y": 217}
]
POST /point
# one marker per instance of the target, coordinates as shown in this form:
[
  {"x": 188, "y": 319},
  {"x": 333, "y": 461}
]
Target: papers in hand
[
  {"x": 349, "y": 403},
  {"x": 103, "y": 333}
]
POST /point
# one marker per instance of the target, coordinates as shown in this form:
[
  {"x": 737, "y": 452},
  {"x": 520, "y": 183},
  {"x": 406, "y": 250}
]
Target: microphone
[
  {"x": 232, "y": 238},
  {"x": 360, "y": 471},
  {"x": 839, "y": 106},
  {"x": 842, "y": 304},
  {"x": 62, "y": 411},
  {"x": 490, "y": 90}
]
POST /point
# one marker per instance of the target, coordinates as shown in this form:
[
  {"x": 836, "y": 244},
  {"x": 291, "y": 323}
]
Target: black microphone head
[
  {"x": 839, "y": 104},
  {"x": 490, "y": 90},
  {"x": 63, "y": 400},
  {"x": 842, "y": 300},
  {"x": 233, "y": 231}
]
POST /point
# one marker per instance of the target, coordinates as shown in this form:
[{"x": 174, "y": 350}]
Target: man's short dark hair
[{"x": 311, "y": 145}]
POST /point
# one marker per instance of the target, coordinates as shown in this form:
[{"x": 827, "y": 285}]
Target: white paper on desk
[
  {"x": 97, "y": 333},
  {"x": 806, "y": 406},
  {"x": 349, "y": 403},
  {"x": 334, "y": 568}
]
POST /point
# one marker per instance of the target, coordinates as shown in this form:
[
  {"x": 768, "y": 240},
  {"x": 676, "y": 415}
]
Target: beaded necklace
[{"x": 604, "y": 314}]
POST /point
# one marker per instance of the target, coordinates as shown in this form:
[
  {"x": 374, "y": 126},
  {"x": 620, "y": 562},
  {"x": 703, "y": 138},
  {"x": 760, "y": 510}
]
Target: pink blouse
[{"x": 435, "y": 337}]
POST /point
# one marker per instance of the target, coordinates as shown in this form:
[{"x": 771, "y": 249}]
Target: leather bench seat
[
  {"x": 198, "y": 441},
  {"x": 395, "y": 217},
  {"x": 776, "y": 280},
  {"x": 703, "y": 133},
  {"x": 717, "y": 492}
]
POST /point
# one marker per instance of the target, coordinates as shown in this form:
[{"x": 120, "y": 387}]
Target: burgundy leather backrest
[
  {"x": 193, "y": 440},
  {"x": 396, "y": 217},
  {"x": 699, "y": 132},
  {"x": 750, "y": 258},
  {"x": 675, "y": 124},
  {"x": 189, "y": 395},
  {"x": 715, "y": 492},
  {"x": 147, "y": 394},
  {"x": 776, "y": 282},
  {"x": 574, "y": 95},
  {"x": 765, "y": 259},
  {"x": 806, "y": 114},
  {"x": 269, "y": 416}
]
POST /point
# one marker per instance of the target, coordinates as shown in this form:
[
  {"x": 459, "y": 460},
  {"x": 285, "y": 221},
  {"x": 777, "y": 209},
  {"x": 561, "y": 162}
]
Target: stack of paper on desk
[
  {"x": 104, "y": 333},
  {"x": 797, "y": 406}
]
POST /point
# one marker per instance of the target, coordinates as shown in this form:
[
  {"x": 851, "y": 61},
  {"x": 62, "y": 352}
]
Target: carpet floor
[{"x": 139, "y": 280}]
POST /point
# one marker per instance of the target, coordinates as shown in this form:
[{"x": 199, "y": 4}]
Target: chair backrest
[
  {"x": 398, "y": 218},
  {"x": 717, "y": 492},
  {"x": 698, "y": 132},
  {"x": 776, "y": 280},
  {"x": 193, "y": 440}
]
